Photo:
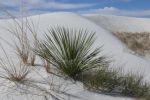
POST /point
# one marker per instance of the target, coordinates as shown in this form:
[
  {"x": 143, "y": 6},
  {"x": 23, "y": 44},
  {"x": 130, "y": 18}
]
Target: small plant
[
  {"x": 135, "y": 86},
  {"x": 112, "y": 81},
  {"x": 104, "y": 79},
  {"x": 70, "y": 51}
]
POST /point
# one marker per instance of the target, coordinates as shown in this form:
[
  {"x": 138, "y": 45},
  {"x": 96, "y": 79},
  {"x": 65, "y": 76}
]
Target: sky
[{"x": 136, "y": 8}]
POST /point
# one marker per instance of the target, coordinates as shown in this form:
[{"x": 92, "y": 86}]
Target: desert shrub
[
  {"x": 138, "y": 42},
  {"x": 103, "y": 79},
  {"x": 70, "y": 51},
  {"x": 112, "y": 81},
  {"x": 134, "y": 85}
]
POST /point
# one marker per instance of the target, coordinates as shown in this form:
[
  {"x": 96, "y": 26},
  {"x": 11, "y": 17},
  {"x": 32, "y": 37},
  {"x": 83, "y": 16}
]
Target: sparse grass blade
[{"x": 22, "y": 44}]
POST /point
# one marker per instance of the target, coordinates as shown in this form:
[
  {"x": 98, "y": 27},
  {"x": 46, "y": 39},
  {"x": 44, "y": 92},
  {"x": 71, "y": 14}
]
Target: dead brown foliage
[{"x": 138, "y": 42}]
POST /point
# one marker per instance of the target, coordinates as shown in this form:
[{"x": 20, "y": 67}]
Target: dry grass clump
[
  {"x": 14, "y": 73},
  {"x": 11, "y": 71},
  {"x": 138, "y": 42}
]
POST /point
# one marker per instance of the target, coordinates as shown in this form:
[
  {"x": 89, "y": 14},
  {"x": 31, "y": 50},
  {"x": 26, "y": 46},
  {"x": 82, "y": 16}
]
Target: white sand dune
[
  {"x": 121, "y": 23},
  {"x": 111, "y": 45}
]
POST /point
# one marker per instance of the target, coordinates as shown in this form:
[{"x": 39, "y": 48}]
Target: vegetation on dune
[
  {"x": 103, "y": 79},
  {"x": 70, "y": 51}
]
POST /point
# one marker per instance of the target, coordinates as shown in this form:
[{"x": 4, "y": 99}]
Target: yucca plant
[{"x": 71, "y": 51}]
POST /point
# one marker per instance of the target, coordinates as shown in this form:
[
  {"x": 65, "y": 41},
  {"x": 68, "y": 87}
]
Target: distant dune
[{"x": 121, "y": 23}]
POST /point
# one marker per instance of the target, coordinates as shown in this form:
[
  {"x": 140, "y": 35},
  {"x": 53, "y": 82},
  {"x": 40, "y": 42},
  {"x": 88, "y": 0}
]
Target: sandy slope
[
  {"x": 121, "y": 23},
  {"x": 111, "y": 45}
]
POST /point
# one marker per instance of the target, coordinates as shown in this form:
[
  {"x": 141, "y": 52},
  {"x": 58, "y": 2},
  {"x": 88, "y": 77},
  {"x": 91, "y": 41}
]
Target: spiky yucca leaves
[{"x": 70, "y": 51}]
